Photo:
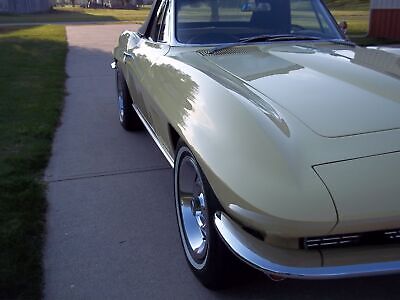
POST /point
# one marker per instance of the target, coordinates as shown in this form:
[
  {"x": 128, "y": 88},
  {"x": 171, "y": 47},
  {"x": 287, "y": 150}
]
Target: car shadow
[{"x": 251, "y": 284}]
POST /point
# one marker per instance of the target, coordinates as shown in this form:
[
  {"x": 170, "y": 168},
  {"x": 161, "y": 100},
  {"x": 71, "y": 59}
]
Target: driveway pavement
[{"x": 111, "y": 229}]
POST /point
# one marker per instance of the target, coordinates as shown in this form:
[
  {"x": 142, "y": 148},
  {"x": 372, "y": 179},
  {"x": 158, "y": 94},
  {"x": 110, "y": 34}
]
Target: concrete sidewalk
[
  {"x": 111, "y": 228},
  {"x": 111, "y": 214},
  {"x": 111, "y": 225}
]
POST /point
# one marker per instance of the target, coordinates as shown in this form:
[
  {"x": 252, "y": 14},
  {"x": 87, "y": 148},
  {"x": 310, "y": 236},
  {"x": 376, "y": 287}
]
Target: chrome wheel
[
  {"x": 120, "y": 97},
  {"x": 196, "y": 205},
  {"x": 121, "y": 107},
  {"x": 127, "y": 116},
  {"x": 192, "y": 211}
]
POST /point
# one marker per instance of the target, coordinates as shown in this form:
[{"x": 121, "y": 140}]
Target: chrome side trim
[
  {"x": 238, "y": 241},
  {"x": 154, "y": 137}
]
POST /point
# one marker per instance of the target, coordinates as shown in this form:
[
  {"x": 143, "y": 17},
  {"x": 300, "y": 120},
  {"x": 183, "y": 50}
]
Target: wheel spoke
[
  {"x": 203, "y": 229},
  {"x": 185, "y": 198}
]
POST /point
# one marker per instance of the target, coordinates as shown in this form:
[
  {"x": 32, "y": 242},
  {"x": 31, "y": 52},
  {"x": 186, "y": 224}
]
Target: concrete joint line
[{"x": 104, "y": 174}]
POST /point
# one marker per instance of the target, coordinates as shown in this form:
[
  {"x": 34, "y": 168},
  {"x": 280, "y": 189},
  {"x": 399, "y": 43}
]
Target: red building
[{"x": 385, "y": 19}]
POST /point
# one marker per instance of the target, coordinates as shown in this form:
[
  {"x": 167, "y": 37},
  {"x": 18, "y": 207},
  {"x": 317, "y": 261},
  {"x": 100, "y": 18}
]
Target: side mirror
[{"x": 343, "y": 26}]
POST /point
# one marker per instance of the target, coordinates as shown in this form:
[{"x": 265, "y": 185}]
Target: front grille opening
[{"x": 351, "y": 240}]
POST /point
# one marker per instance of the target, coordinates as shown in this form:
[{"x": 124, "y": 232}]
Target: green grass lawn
[
  {"x": 78, "y": 14},
  {"x": 358, "y": 26},
  {"x": 348, "y": 4},
  {"x": 358, "y": 21},
  {"x": 32, "y": 77},
  {"x": 356, "y": 13}
]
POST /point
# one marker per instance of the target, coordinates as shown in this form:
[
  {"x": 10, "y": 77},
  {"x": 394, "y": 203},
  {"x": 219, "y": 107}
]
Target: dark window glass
[{"x": 223, "y": 21}]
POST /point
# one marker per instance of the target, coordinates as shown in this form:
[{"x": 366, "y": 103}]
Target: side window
[
  {"x": 324, "y": 25},
  {"x": 160, "y": 23},
  {"x": 303, "y": 15},
  {"x": 164, "y": 25}
]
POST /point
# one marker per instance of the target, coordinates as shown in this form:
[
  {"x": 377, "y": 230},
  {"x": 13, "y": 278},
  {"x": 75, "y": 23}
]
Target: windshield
[{"x": 229, "y": 21}]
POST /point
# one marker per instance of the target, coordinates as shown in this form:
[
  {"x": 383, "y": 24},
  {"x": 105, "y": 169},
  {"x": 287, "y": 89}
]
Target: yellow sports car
[{"x": 284, "y": 136}]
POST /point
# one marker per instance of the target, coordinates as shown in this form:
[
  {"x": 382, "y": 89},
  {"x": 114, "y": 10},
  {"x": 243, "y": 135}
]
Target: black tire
[
  {"x": 127, "y": 115},
  {"x": 212, "y": 266}
]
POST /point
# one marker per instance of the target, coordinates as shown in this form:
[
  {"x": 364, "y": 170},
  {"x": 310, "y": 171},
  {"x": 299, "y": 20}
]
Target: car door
[
  {"x": 130, "y": 68},
  {"x": 153, "y": 46},
  {"x": 137, "y": 58}
]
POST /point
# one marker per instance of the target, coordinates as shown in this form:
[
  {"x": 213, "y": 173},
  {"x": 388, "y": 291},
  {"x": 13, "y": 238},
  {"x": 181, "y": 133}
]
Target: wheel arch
[{"x": 174, "y": 138}]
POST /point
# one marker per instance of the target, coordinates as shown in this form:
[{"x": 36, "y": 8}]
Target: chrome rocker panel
[
  {"x": 153, "y": 135},
  {"x": 237, "y": 240}
]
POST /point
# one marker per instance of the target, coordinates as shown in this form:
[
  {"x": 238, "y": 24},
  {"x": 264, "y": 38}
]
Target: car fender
[{"x": 253, "y": 162}]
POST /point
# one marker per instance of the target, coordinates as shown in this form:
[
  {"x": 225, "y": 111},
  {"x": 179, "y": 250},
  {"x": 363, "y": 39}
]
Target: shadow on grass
[
  {"x": 12, "y": 29},
  {"x": 365, "y": 40},
  {"x": 348, "y": 5},
  {"x": 32, "y": 76}
]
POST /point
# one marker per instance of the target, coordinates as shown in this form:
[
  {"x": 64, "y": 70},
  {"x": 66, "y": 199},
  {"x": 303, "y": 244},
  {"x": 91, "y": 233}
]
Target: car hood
[{"x": 334, "y": 90}]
